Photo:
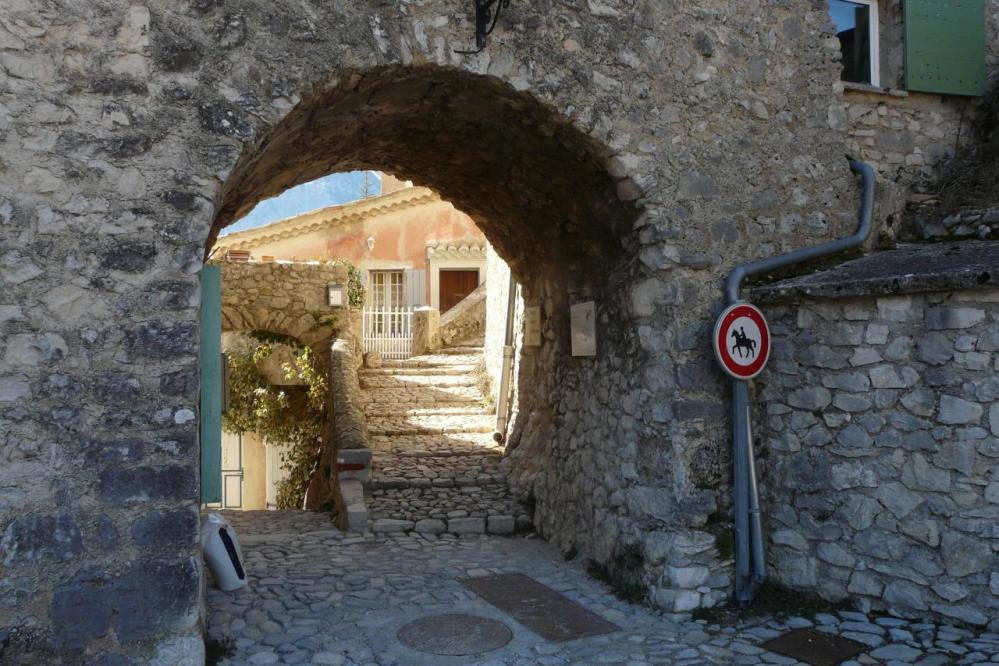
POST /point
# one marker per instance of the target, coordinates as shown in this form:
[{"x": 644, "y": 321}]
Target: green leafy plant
[
  {"x": 291, "y": 417},
  {"x": 355, "y": 287}
]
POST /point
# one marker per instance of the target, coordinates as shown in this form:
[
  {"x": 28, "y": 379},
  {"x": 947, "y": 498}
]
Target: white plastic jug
[{"x": 222, "y": 553}]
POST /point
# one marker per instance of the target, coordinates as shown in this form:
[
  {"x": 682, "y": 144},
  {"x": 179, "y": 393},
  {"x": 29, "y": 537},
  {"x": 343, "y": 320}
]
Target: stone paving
[
  {"x": 328, "y": 597},
  {"x": 435, "y": 466}
]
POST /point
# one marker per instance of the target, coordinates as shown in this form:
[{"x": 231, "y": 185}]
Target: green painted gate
[{"x": 210, "y": 359}]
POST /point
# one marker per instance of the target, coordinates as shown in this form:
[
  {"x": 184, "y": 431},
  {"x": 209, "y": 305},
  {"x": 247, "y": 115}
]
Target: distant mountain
[{"x": 332, "y": 190}]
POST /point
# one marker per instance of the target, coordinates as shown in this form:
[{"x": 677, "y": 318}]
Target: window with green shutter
[{"x": 945, "y": 46}]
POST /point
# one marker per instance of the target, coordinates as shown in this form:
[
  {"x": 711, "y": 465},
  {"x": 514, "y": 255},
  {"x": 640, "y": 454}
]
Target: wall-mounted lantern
[
  {"x": 334, "y": 295},
  {"x": 487, "y": 13},
  {"x": 371, "y": 243}
]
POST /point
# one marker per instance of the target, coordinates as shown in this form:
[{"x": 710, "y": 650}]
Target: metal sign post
[{"x": 742, "y": 345}]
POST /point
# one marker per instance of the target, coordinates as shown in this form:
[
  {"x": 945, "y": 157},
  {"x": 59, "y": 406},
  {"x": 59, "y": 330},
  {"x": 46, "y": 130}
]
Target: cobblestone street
[
  {"x": 326, "y": 597},
  {"x": 435, "y": 466}
]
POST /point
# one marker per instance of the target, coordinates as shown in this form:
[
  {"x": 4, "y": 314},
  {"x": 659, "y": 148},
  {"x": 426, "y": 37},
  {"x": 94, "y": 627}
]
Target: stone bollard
[{"x": 426, "y": 330}]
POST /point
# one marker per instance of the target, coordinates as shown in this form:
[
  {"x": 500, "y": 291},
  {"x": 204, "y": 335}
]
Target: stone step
[
  {"x": 390, "y": 481},
  {"x": 458, "y": 351},
  {"x": 435, "y": 446},
  {"x": 457, "y": 509},
  {"x": 401, "y": 410},
  {"x": 425, "y": 396},
  {"x": 457, "y": 369},
  {"x": 467, "y": 469},
  {"x": 491, "y": 524},
  {"x": 404, "y": 381},
  {"x": 435, "y": 467},
  {"x": 429, "y": 425},
  {"x": 438, "y": 360}
]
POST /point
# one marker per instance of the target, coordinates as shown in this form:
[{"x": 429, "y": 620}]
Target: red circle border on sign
[{"x": 719, "y": 340}]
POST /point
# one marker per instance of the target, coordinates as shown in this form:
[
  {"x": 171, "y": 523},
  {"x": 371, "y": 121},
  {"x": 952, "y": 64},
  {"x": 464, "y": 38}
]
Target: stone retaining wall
[
  {"x": 350, "y": 435},
  {"x": 282, "y": 297},
  {"x": 929, "y": 222},
  {"x": 426, "y": 330},
  {"x": 879, "y": 425},
  {"x": 467, "y": 318}
]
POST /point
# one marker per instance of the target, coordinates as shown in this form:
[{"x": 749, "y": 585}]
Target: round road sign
[{"x": 742, "y": 340}]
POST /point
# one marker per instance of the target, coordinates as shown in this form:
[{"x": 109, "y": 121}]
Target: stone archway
[
  {"x": 541, "y": 192},
  {"x": 122, "y": 127},
  {"x": 538, "y": 188}
]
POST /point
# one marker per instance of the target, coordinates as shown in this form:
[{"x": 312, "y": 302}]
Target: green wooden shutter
[
  {"x": 211, "y": 384},
  {"x": 945, "y": 46}
]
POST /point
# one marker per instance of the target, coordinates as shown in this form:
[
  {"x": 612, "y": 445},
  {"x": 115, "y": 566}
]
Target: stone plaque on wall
[
  {"x": 532, "y": 326},
  {"x": 583, "y": 317}
]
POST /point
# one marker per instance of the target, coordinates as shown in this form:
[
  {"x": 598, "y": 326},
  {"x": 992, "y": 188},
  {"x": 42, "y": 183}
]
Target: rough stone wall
[
  {"x": 907, "y": 136},
  {"x": 426, "y": 331},
  {"x": 497, "y": 283},
  {"x": 625, "y": 151},
  {"x": 349, "y": 437},
  {"x": 879, "y": 418},
  {"x": 283, "y": 298},
  {"x": 466, "y": 319},
  {"x": 933, "y": 223}
]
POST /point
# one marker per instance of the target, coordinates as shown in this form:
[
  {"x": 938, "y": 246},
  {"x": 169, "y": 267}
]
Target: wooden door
[{"x": 456, "y": 285}]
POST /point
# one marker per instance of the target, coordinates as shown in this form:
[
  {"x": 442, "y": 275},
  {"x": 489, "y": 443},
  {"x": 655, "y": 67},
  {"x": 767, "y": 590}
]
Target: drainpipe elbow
[{"x": 733, "y": 283}]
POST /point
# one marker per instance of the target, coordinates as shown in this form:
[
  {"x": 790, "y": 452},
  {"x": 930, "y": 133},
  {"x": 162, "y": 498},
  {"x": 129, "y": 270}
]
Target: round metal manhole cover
[{"x": 454, "y": 635}]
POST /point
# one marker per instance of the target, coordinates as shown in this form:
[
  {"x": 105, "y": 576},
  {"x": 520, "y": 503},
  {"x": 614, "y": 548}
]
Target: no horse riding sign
[{"x": 742, "y": 340}]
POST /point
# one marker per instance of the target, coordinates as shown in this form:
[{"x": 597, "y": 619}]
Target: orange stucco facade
[{"x": 410, "y": 229}]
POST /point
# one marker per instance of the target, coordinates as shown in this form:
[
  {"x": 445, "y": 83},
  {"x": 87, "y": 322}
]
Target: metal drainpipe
[
  {"x": 750, "y": 558},
  {"x": 503, "y": 403}
]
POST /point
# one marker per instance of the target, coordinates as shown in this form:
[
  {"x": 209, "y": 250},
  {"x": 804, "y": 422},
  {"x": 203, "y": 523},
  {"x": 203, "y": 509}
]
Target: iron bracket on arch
[{"x": 487, "y": 13}]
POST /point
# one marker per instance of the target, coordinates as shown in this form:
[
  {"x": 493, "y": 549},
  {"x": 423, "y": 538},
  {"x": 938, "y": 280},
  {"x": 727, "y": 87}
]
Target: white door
[
  {"x": 275, "y": 472},
  {"x": 232, "y": 471}
]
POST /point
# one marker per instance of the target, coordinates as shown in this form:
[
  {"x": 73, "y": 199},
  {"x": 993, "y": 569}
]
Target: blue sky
[{"x": 337, "y": 188}]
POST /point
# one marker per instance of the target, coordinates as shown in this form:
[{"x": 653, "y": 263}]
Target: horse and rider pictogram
[{"x": 742, "y": 341}]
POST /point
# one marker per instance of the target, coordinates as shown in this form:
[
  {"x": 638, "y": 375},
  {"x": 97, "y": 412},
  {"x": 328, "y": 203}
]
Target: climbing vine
[
  {"x": 355, "y": 287},
  {"x": 291, "y": 417}
]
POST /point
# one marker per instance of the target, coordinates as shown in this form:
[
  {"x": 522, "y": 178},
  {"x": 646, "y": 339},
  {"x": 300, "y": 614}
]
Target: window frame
[
  {"x": 875, "y": 34},
  {"x": 388, "y": 292}
]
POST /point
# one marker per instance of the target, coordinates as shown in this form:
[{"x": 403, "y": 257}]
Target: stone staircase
[{"x": 435, "y": 467}]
